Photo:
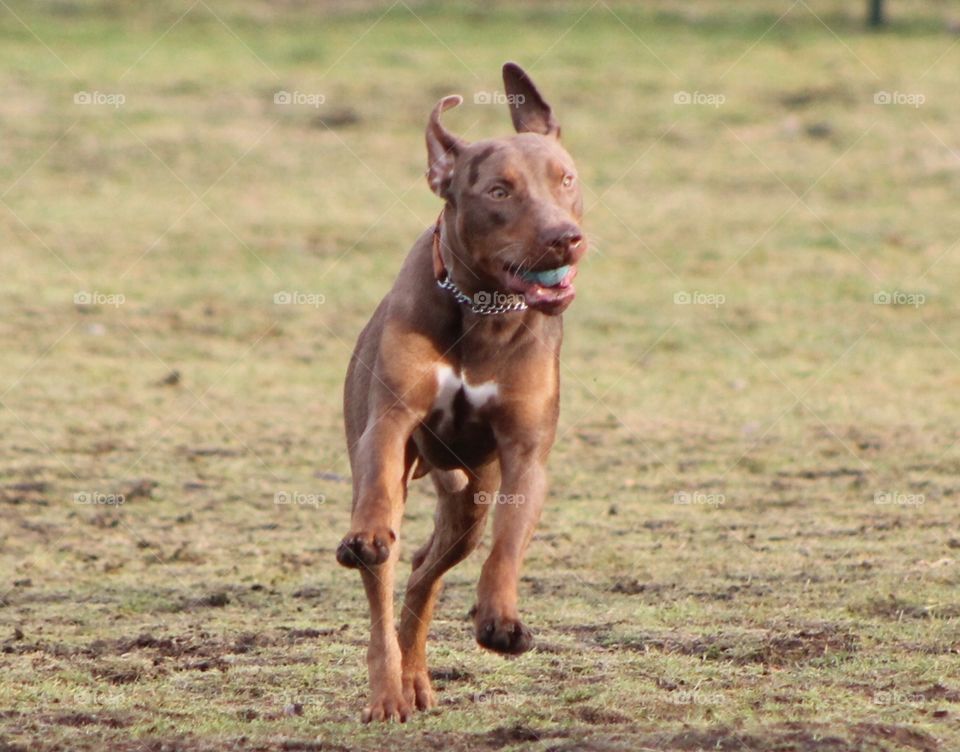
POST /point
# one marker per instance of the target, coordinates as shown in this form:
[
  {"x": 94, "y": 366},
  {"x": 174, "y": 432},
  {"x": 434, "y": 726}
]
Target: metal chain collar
[
  {"x": 483, "y": 309},
  {"x": 478, "y": 303}
]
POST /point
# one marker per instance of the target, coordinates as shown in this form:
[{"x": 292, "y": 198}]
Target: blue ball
[{"x": 548, "y": 277}]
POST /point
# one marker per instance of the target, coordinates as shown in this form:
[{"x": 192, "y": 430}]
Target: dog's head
[{"x": 513, "y": 203}]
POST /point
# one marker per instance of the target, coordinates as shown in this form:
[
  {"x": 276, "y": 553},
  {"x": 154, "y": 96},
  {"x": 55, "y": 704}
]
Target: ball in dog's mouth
[
  {"x": 547, "y": 277},
  {"x": 546, "y": 289}
]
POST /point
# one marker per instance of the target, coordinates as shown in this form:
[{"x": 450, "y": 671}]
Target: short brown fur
[{"x": 394, "y": 426}]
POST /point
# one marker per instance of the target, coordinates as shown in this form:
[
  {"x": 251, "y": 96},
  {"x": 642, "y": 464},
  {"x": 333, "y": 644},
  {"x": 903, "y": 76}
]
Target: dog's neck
[
  {"x": 478, "y": 332},
  {"x": 449, "y": 254}
]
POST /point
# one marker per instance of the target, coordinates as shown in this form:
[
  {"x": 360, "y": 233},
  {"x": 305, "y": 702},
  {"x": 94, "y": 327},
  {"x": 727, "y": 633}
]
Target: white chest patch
[{"x": 449, "y": 384}]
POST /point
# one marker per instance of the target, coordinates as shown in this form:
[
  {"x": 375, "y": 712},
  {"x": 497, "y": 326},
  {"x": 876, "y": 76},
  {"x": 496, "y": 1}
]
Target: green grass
[{"x": 792, "y": 612}]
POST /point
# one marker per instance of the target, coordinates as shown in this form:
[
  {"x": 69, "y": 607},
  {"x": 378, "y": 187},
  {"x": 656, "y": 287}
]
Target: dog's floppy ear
[
  {"x": 442, "y": 148},
  {"x": 529, "y": 112}
]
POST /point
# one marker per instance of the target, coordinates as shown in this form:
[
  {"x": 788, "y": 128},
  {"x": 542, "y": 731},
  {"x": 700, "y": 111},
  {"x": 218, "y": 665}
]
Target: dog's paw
[
  {"x": 365, "y": 549},
  {"x": 507, "y": 636},
  {"x": 388, "y": 706},
  {"x": 417, "y": 690}
]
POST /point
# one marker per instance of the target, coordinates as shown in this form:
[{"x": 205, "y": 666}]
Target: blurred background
[{"x": 752, "y": 536}]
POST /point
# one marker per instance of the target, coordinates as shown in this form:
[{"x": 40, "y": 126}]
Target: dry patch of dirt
[
  {"x": 768, "y": 647},
  {"x": 894, "y": 607},
  {"x": 117, "y": 659},
  {"x": 790, "y": 737}
]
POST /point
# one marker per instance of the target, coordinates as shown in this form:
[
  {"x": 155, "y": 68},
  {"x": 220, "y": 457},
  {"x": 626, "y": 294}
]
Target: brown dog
[{"x": 457, "y": 375}]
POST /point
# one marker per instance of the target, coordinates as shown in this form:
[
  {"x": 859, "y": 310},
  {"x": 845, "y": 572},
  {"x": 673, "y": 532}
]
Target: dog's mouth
[{"x": 547, "y": 289}]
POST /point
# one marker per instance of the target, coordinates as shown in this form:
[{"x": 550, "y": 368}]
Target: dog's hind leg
[
  {"x": 462, "y": 502},
  {"x": 497, "y": 622}
]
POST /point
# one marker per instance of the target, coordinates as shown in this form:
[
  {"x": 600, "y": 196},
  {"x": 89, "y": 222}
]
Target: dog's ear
[
  {"x": 529, "y": 112},
  {"x": 442, "y": 148}
]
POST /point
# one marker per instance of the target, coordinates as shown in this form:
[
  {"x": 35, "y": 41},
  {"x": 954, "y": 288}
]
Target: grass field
[{"x": 753, "y": 539}]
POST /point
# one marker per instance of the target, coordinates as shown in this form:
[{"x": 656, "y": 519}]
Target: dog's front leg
[
  {"x": 379, "y": 466},
  {"x": 379, "y": 471},
  {"x": 518, "y": 507},
  {"x": 387, "y": 701}
]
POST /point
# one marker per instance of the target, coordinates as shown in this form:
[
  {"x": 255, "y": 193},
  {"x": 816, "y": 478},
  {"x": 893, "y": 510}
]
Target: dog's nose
[{"x": 567, "y": 239}]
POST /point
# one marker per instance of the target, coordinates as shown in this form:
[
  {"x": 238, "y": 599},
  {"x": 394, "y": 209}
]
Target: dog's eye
[
  {"x": 568, "y": 180},
  {"x": 498, "y": 192}
]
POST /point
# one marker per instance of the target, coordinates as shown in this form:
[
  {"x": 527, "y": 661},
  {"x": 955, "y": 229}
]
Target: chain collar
[
  {"x": 477, "y": 302},
  {"x": 482, "y": 303}
]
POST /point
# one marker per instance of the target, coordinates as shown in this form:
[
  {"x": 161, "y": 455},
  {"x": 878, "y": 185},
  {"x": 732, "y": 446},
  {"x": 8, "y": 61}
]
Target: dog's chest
[{"x": 458, "y": 401}]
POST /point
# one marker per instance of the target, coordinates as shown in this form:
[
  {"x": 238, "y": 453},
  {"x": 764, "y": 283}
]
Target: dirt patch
[
  {"x": 903, "y": 736},
  {"x": 773, "y": 741},
  {"x": 894, "y": 607},
  {"x": 177, "y": 743},
  {"x": 635, "y": 587},
  {"x": 589, "y": 632},
  {"x": 504, "y": 736},
  {"x": 206, "y": 645},
  {"x": 310, "y": 593},
  {"x": 808, "y": 96},
  {"x": 213, "y": 599},
  {"x": 768, "y": 647},
  {"x": 110, "y": 720},
  {"x": 121, "y": 673},
  {"x": 791, "y": 737},
  {"x": 27, "y": 492},
  {"x": 74, "y": 719},
  {"x": 656, "y": 592},
  {"x": 137, "y": 488},
  {"x": 194, "y": 452},
  {"x": 940, "y": 692},
  {"x": 834, "y": 472},
  {"x": 450, "y": 675},
  {"x": 199, "y": 645},
  {"x": 600, "y": 716}
]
